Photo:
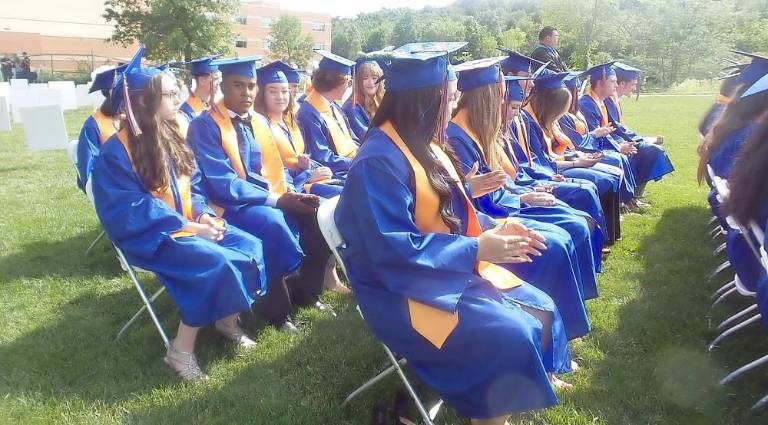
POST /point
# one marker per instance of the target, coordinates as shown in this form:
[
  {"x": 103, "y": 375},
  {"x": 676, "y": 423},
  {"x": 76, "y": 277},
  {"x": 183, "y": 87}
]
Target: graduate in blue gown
[
  {"x": 206, "y": 77},
  {"x": 98, "y": 127},
  {"x": 366, "y": 95},
  {"x": 162, "y": 223},
  {"x": 274, "y": 101},
  {"x": 648, "y": 160},
  {"x": 475, "y": 141},
  {"x": 486, "y": 351},
  {"x": 728, "y": 85},
  {"x": 244, "y": 176},
  {"x": 327, "y": 134}
]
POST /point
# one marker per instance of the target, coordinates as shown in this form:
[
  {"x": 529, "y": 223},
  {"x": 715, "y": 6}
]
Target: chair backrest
[
  {"x": 327, "y": 223},
  {"x": 72, "y": 152},
  {"x": 760, "y": 236}
]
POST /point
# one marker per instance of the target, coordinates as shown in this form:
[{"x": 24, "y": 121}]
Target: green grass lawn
[{"x": 644, "y": 363}]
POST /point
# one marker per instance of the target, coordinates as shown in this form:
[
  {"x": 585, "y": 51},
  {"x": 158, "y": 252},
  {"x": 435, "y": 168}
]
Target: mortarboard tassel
[{"x": 135, "y": 129}]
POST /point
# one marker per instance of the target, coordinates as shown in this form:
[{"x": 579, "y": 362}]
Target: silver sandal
[
  {"x": 189, "y": 370},
  {"x": 236, "y": 335}
]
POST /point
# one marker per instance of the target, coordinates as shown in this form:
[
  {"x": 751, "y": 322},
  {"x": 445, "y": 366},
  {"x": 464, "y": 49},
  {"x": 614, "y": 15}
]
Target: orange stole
[
  {"x": 601, "y": 106},
  {"x": 271, "y": 164},
  {"x": 522, "y": 137},
  {"x": 106, "y": 126},
  {"x": 196, "y": 104},
  {"x": 166, "y": 195},
  {"x": 341, "y": 138},
  {"x": 462, "y": 121},
  {"x": 579, "y": 122},
  {"x": 432, "y": 323},
  {"x": 289, "y": 152}
]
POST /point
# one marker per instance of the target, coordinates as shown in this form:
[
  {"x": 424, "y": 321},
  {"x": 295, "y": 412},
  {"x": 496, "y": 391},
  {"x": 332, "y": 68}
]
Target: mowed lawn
[{"x": 644, "y": 363}]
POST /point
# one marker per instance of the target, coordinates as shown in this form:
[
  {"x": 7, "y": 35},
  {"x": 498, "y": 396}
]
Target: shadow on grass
[{"x": 65, "y": 258}]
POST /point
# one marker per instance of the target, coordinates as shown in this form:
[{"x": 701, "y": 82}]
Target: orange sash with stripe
[
  {"x": 604, "y": 121},
  {"x": 183, "y": 184},
  {"x": 337, "y": 126},
  {"x": 196, "y": 104},
  {"x": 106, "y": 126},
  {"x": 579, "y": 122},
  {"x": 432, "y": 323},
  {"x": 271, "y": 164}
]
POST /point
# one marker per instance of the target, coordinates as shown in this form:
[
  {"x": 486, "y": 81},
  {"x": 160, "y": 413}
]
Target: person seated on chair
[
  {"x": 206, "y": 77},
  {"x": 147, "y": 194},
  {"x": 98, "y": 127},
  {"x": 627, "y": 84},
  {"x": 329, "y": 138},
  {"x": 474, "y": 135},
  {"x": 421, "y": 259},
  {"x": 273, "y": 100},
  {"x": 728, "y": 87},
  {"x": 518, "y": 65},
  {"x": 244, "y": 176},
  {"x": 366, "y": 95},
  {"x": 648, "y": 161}
]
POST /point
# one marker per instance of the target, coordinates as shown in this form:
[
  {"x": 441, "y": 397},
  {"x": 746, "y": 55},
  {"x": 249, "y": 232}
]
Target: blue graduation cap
[
  {"x": 202, "y": 66},
  {"x": 105, "y": 80},
  {"x": 551, "y": 80},
  {"x": 759, "y": 86},
  {"x": 419, "y": 65},
  {"x": 755, "y": 70},
  {"x": 130, "y": 82},
  {"x": 336, "y": 63},
  {"x": 626, "y": 72},
  {"x": 514, "y": 90},
  {"x": 478, "y": 73},
  {"x": 572, "y": 81},
  {"x": 598, "y": 72},
  {"x": 275, "y": 72},
  {"x": 517, "y": 62},
  {"x": 244, "y": 67}
]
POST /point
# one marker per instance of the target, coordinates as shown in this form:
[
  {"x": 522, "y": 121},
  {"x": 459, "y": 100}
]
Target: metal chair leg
[
  {"x": 727, "y": 322},
  {"x": 144, "y": 298},
  {"x": 717, "y": 229},
  {"x": 93, "y": 244},
  {"x": 730, "y": 331},
  {"x": 722, "y": 267},
  {"x": 712, "y": 220},
  {"x": 719, "y": 249},
  {"x": 722, "y": 289},
  {"x": 744, "y": 369},
  {"x": 411, "y": 391},
  {"x": 138, "y": 314},
  {"x": 760, "y": 405},
  {"x": 724, "y": 296},
  {"x": 386, "y": 372}
]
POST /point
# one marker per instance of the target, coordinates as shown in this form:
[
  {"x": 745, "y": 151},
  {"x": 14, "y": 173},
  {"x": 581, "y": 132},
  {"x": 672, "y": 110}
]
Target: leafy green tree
[
  {"x": 481, "y": 43},
  {"x": 346, "y": 41},
  {"x": 288, "y": 43},
  {"x": 173, "y": 29}
]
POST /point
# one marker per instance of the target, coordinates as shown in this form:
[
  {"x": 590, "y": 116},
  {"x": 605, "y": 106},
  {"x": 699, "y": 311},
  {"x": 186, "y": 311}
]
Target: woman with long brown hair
[
  {"x": 421, "y": 259},
  {"x": 367, "y": 92},
  {"x": 566, "y": 272},
  {"x": 147, "y": 196}
]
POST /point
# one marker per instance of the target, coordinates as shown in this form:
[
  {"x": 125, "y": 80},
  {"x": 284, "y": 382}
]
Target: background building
[{"x": 70, "y": 35}]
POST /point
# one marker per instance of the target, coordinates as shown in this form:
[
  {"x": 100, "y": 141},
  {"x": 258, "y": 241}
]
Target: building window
[
  {"x": 265, "y": 44},
  {"x": 318, "y": 26},
  {"x": 241, "y": 20},
  {"x": 266, "y": 22},
  {"x": 241, "y": 43},
  {"x": 319, "y": 46}
]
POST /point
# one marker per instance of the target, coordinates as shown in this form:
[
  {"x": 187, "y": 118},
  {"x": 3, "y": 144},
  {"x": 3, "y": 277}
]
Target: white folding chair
[
  {"x": 325, "y": 218},
  {"x": 132, "y": 271}
]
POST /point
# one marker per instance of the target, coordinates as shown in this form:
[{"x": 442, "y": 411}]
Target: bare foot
[
  {"x": 331, "y": 279},
  {"x": 558, "y": 383}
]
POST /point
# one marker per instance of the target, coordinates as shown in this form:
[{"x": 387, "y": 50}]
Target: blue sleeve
[
  {"x": 133, "y": 218},
  {"x": 300, "y": 178},
  {"x": 592, "y": 115},
  {"x": 318, "y": 141},
  {"x": 621, "y": 130},
  {"x": 187, "y": 111},
  {"x": 220, "y": 181},
  {"x": 434, "y": 268},
  {"x": 583, "y": 142},
  {"x": 88, "y": 147},
  {"x": 199, "y": 198},
  {"x": 357, "y": 119}
]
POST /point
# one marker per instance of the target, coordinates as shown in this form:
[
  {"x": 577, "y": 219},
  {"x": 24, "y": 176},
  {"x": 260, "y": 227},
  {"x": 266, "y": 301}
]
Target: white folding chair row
[{"x": 327, "y": 223}]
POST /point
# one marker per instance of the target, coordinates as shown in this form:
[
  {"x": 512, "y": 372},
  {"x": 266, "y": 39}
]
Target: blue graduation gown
[
  {"x": 357, "y": 117},
  {"x": 558, "y": 271},
  {"x": 578, "y": 193},
  {"x": 722, "y": 158},
  {"x": 245, "y": 200},
  {"x": 745, "y": 264},
  {"x": 318, "y": 140},
  {"x": 187, "y": 111},
  {"x": 589, "y": 143},
  {"x": 207, "y": 281},
  {"x": 87, "y": 151},
  {"x": 650, "y": 162},
  {"x": 711, "y": 118},
  {"x": 492, "y": 364}
]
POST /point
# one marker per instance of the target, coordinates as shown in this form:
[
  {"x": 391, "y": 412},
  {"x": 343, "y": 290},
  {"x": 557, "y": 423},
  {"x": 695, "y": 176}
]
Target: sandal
[
  {"x": 236, "y": 335},
  {"x": 184, "y": 365}
]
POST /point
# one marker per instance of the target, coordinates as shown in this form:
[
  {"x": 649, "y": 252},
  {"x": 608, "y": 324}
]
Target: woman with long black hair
[{"x": 421, "y": 260}]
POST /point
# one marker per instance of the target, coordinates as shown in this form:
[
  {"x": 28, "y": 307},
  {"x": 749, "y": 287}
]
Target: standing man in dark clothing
[
  {"x": 546, "y": 51},
  {"x": 6, "y": 66}
]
